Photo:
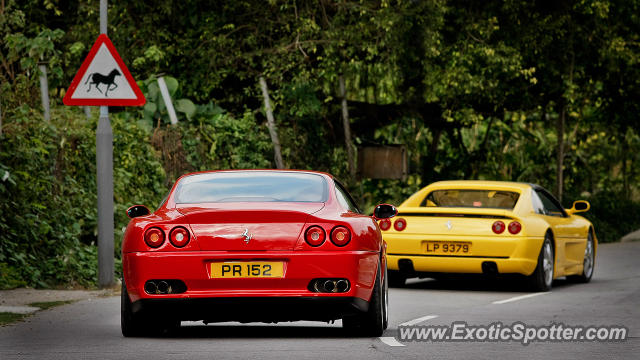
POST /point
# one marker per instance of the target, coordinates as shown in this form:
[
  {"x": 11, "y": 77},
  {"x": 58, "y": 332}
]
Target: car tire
[
  {"x": 139, "y": 324},
  {"x": 588, "y": 263},
  {"x": 372, "y": 322},
  {"x": 396, "y": 279},
  {"x": 132, "y": 325},
  {"x": 542, "y": 276},
  {"x": 385, "y": 294}
]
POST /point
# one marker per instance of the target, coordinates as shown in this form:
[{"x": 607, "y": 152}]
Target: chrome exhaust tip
[
  {"x": 150, "y": 287},
  {"x": 342, "y": 285},
  {"x": 163, "y": 287},
  {"x": 329, "y": 286}
]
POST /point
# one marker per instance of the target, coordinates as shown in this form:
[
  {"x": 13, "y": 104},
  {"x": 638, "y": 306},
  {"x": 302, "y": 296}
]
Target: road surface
[{"x": 91, "y": 328}]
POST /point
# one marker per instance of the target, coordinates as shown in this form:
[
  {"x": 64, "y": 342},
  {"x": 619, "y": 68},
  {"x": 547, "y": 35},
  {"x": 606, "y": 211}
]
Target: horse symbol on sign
[{"x": 97, "y": 79}]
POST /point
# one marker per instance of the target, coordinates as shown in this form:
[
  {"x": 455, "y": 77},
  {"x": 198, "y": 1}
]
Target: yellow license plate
[
  {"x": 446, "y": 247},
  {"x": 247, "y": 269}
]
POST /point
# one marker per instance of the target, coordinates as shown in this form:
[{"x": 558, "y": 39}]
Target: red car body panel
[
  {"x": 278, "y": 234},
  {"x": 358, "y": 266}
]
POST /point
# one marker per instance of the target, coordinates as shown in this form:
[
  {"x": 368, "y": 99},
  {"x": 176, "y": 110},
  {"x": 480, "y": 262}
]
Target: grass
[
  {"x": 8, "y": 318},
  {"x": 49, "y": 304}
]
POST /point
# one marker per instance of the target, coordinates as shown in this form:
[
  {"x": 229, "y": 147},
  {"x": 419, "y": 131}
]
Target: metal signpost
[
  {"x": 44, "y": 90},
  {"x": 104, "y": 80}
]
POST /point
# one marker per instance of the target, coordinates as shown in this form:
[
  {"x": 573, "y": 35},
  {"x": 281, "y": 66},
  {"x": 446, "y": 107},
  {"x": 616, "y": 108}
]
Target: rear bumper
[
  {"x": 511, "y": 256},
  {"x": 254, "y": 309},
  {"x": 463, "y": 265},
  {"x": 300, "y": 267}
]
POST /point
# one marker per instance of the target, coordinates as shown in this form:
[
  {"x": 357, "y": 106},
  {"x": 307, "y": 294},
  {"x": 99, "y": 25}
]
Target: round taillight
[
  {"x": 179, "y": 236},
  {"x": 154, "y": 237},
  {"x": 385, "y": 224},
  {"x": 315, "y": 236},
  {"x": 340, "y": 236},
  {"x": 515, "y": 227},
  {"x": 498, "y": 227},
  {"x": 400, "y": 224}
]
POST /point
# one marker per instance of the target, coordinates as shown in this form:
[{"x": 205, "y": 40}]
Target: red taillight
[
  {"x": 340, "y": 236},
  {"x": 179, "y": 236},
  {"x": 315, "y": 236},
  {"x": 154, "y": 237},
  {"x": 385, "y": 224},
  {"x": 400, "y": 224},
  {"x": 515, "y": 227},
  {"x": 498, "y": 227}
]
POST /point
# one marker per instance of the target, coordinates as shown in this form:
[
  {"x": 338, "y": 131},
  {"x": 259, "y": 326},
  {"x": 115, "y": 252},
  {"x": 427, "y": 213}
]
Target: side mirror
[
  {"x": 137, "y": 210},
  {"x": 385, "y": 211},
  {"x": 580, "y": 206}
]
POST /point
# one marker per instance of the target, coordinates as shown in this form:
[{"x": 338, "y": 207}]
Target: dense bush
[
  {"x": 48, "y": 190},
  {"x": 612, "y": 216}
]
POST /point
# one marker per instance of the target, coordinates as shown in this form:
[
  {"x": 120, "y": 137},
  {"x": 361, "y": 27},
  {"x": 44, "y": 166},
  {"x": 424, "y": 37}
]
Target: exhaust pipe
[
  {"x": 489, "y": 268},
  {"x": 342, "y": 285},
  {"x": 150, "y": 287},
  {"x": 329, "y": 286},
  {"x": 163, "y": 287}
]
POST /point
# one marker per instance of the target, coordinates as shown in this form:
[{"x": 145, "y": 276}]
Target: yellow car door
[{"x": 565, "y": 230}]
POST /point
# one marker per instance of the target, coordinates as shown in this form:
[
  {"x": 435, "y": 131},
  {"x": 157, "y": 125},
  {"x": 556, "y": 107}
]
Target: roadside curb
[
  {"x": 632, "y": 236},
  {"x": 19, "y": 309},
  {"x": 22, "y": 300}
]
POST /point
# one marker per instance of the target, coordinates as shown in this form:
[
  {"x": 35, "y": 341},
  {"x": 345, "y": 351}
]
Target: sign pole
[
  {"x": 104, "y": 165},
  {"x": 104, "y": 80},
  {"x": 44, "y": 90}
]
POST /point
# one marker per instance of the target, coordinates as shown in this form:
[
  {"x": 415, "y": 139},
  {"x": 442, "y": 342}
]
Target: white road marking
[
  {"x": 418, "y": 320},
  {"x": 391, "y": 341},
  {"x": 516, "y": 298}
]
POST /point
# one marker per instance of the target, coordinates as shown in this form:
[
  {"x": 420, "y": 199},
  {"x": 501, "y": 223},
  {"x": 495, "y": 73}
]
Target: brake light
[
  {"x": 179, "y": 236},
  {"x": 498, "y": 227},
  {"x": 315, "y": 236},
  {"x": 400, "y": 224},
  {"x": 154, "y": 237},
  {"x": 515, "y": 227},
  {"x": 385, "y": 224},
  {"x": 340, "y": 236}
]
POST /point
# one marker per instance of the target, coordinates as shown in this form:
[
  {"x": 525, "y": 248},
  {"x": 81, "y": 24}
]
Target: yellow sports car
[{"x": 490, "y": 227}]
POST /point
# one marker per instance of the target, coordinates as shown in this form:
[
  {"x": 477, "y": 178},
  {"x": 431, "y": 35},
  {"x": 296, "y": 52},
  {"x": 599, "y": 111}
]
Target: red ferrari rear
[{"x": 255, "y": 245}]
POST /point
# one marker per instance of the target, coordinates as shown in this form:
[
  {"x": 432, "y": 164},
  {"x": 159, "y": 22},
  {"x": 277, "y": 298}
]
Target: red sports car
[{"x": 254, "y": 245}]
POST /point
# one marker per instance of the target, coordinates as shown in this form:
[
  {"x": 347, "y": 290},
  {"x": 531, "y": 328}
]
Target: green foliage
[
  {"x": 155, "y": 110},
  {"x": 217, "y": 140},
  {"x": 48, "y": 221},
  {"x": 22, "y": 48},
  {"x": 612, "y": 217}
]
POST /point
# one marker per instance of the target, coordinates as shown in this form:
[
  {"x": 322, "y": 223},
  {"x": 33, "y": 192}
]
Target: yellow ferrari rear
[{"x": 466, "y": 227}]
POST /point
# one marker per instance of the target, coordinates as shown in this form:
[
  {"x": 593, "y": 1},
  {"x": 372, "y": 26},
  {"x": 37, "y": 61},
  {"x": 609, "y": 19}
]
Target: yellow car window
[{"x": 496, "y": 199}]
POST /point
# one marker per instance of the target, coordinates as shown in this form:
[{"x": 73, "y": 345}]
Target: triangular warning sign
[{"x": 103, "y": 79}]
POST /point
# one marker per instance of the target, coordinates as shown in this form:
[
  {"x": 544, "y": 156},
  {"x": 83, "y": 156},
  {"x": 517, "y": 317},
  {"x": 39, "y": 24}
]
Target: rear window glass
[
  {"x": 495, "y": 199},
  {"x": 254, "y": 186}
]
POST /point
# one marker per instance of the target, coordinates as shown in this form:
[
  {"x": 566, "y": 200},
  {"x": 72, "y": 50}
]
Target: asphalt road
[{"x": 91, "y": 329}]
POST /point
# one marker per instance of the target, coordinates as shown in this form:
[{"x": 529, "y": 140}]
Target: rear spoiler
[{"x": 435, "y": 211}]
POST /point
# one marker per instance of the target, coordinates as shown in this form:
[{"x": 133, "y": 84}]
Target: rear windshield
[
  {"x": 495, "y": 199},
  {"x": 253, "y": 186}
]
